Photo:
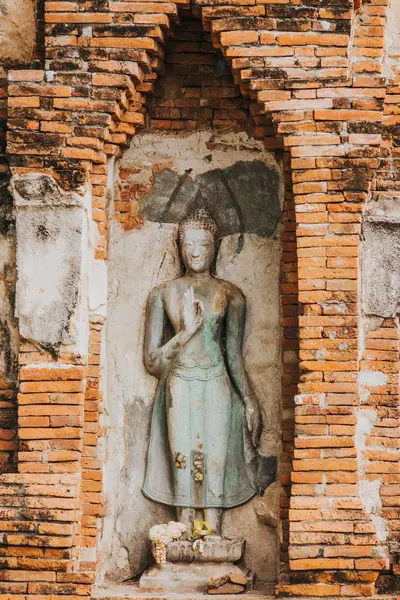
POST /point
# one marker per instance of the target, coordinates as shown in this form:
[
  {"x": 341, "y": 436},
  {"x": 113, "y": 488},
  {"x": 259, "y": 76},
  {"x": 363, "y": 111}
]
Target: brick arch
[
  {"x": 79, "y": 40},
  {"x": 68, "y": 118}
]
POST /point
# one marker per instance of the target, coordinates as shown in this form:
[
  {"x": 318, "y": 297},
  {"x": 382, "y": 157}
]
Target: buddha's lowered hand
[{"x": 253, "y": 418}]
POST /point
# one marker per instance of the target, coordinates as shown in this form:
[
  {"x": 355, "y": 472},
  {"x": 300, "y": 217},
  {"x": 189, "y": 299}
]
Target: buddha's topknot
[{"x": 199, "y": 218}]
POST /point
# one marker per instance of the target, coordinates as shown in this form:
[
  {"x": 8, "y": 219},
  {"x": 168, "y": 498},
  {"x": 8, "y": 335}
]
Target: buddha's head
[{"x": 198, "y": 237}]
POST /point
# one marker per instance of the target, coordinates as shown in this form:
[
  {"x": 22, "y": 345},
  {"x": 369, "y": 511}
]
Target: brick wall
[
  {"x": 314, "y": 71},
  {"x": 290, "y": 356},
  {"x": 197, "y": 90}
]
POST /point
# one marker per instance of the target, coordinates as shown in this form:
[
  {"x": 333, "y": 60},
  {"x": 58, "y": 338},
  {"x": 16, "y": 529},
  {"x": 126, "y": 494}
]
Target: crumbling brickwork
[{"x": 316, "y": 71}]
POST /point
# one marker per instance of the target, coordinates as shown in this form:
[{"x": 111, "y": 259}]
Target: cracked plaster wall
[{"x": 139, "y": 260}]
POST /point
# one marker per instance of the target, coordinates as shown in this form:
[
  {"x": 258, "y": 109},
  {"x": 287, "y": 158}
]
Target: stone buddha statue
[{"x": 206, "y": 419}]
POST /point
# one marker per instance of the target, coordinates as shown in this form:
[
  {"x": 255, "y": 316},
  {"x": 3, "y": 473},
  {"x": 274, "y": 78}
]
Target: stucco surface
[
  {"x": 17, "y": 31},
  {"x": 139, "y": 260},
  {"x": 51, "y": 233}
]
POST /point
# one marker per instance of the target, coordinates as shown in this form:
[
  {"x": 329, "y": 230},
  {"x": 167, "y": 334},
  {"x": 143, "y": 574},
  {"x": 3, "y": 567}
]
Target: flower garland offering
[
  {"x": 162, "y": 535},
  {"x": 200, "y": 530}
]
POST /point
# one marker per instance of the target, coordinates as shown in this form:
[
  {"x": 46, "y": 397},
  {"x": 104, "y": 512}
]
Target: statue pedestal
[
  {"x": 215, "y": 550},
  {"x": 188, "y": 570}
]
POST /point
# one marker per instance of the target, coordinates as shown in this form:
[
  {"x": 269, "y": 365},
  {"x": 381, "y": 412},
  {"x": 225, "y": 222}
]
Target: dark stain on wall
[{"x": 244, "y": 198}]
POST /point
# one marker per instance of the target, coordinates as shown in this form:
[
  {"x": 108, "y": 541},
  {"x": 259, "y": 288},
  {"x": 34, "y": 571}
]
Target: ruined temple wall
[{"x": 332, "y": 93}]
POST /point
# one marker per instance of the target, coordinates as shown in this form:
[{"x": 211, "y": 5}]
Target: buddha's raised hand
[{"x": 193, "y": 313}]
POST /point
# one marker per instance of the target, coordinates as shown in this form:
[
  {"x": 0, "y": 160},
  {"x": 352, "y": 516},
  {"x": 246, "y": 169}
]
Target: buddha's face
[{"x": 197, "y": 248}]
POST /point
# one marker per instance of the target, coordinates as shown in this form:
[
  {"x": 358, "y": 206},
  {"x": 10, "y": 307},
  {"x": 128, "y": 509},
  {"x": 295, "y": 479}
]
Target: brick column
[
  {"x": 41, "y": 523},
  {"x": 331, "y": 528}
]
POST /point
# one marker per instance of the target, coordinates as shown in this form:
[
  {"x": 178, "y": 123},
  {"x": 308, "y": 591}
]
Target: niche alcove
[{"x": 197, "y": 149}]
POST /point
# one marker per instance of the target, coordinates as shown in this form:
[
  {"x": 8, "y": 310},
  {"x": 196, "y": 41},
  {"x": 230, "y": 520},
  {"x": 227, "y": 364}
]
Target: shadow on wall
[
  {"x": 9, "y": 338},
  {"x": 241, "y": 198}
]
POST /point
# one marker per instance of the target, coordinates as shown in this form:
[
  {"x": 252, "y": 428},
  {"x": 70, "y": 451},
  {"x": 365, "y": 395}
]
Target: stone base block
[
  {"x": 215, "y": 550},
  {"x": 183, "y": 577}
]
